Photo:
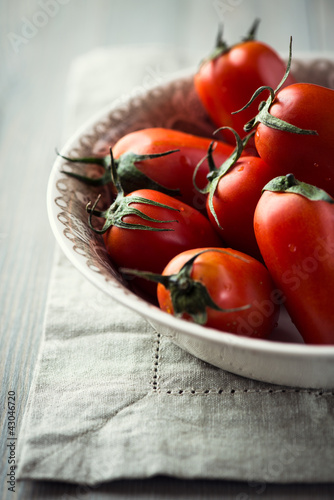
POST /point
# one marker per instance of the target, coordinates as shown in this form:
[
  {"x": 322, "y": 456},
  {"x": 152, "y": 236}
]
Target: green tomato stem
[
  {"x": 264, "y": 115},
  {"x": 122, "y": 206},
  {"x": 131, "y": 177},
  {"x": 251, "y": 35},
  {"x": 215, "y": 174}
]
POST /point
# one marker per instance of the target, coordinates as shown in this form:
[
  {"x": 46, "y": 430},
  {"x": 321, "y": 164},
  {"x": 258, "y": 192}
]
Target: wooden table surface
[{"x": 39, "y": 39}]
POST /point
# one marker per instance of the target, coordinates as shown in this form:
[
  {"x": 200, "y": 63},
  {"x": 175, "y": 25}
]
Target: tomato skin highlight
[
  {"x": 174, "y": 171},
  {"x": 296, "y": 239},
  {"x": 235, "y": 200},
  {"x": 147, "y": 250},
  {"x": 233, "y": 280},
  {"x": 226, "y": 83},
  {"x": 308, "y": 157}
]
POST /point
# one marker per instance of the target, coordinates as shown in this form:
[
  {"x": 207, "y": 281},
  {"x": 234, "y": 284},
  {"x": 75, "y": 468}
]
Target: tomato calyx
[
  {"x": 251, "y": 35},
  {"x": 89, "y": 160},
  {"x": 289, "y": 184},
  {"x": 121, "y": 207},
  {"x": 188, "y": 296},
  {"x": 132, "y": 178},
  {"x": 264, "y": 115},
  {"x": 221, "y": 46},
  {"x": 215, "y": 173}
]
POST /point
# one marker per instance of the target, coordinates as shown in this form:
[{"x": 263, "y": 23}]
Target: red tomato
[
  {"x": 132, "y": 243},
  {"x": 227, "y": 80},
  {"x": 174, "y": 171},
  {"x": 141, "y": 162},
  {"x": 296, "y": 238},
  {"x": 308, "y": 157},
  {"x": 234, "y": 191},
  {"x": 234, "y": 202},
  {"x": 240, "y": 287}
]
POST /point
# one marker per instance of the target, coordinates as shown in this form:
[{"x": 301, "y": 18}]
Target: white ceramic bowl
[{"x": 175, "y": 105}]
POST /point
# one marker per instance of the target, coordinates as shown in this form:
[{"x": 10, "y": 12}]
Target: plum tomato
[
  {"x": 294, "y": 227},
  {"x": 227, "y": 79},
  {"x": 294, "y": 131},
  {"x": 234, "y": 190},
  {"x": 146, "y": 228},
  {"x": 219, "y": 288},
  {"x": 157, "y": 158}
]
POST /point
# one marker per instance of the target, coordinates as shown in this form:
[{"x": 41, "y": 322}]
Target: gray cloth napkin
[{"x": 112, "y": 398}]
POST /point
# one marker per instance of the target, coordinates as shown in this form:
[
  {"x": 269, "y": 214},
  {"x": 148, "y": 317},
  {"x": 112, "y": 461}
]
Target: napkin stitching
[
  {"x": 218, "y": 390},
  {"x": 156, "y": 363},
  {"x": 181, "y": 392}
]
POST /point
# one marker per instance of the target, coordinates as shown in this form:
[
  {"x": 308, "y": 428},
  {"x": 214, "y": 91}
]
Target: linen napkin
[{"x": 111, "y": 398}]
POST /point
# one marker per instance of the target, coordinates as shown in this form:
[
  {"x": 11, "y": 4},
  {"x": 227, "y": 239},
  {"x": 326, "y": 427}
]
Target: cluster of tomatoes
[{"x": 226, "y": 229}]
